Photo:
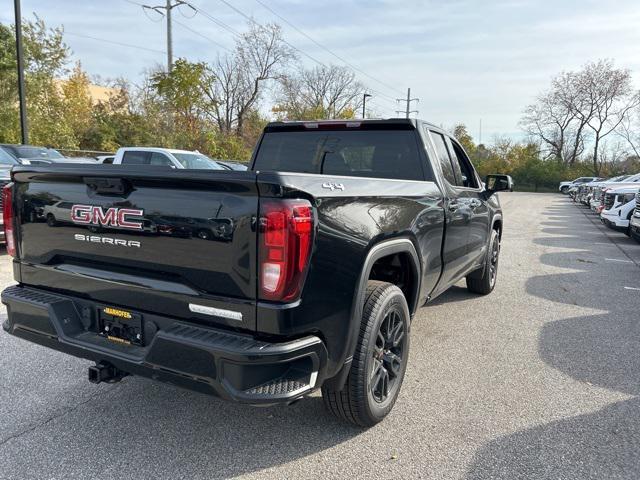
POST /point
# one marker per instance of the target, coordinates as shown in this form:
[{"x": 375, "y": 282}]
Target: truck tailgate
[{"x": 179, "y": 242}]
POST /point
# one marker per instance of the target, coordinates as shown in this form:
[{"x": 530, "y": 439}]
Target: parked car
[
  {"x": 339, "y": 232},
  {"x": 233, "y": 165},
  {"x": 619, "y": 205},
  {"x": 180, "y": 159},
  {"x": 632, "y": 181},
  {"x": 564, "y": 187},
  {"x": 595, "y": 196},
  {"x": 634, "y": 223},
  {"x": 582, "y": 190},
  {"x": 105, "y": 158},
  {"x": 31, "y": 154},
  {"x": 7, "y": 160}
]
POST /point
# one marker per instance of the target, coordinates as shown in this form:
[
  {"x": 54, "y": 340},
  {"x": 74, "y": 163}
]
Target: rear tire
[
  {"x": 483, "y": 281},
  {"x": 379, "y": 362},
  {"x": 564, "y": 190}
]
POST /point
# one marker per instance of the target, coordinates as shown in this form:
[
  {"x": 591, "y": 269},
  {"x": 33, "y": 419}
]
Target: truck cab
[{"x": 167, "y": 157}]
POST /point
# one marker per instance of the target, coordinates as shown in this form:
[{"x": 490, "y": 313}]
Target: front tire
[
  {"x": 483, "y": 281},
  {"x": 379, "y": 362}
]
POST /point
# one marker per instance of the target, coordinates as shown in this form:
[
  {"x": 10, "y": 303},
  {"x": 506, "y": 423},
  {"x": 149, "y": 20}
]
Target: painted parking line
[
  {"x": 617, "y": 260},
  {"x": 632, "y": 288}
]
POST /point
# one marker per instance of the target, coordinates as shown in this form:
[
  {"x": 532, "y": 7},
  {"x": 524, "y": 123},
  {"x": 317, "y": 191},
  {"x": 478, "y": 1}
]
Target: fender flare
[{"x": 379, "y": 250}]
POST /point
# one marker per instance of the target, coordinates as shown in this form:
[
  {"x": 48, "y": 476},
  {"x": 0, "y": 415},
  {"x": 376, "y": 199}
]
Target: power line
[
  {"x": 379, "y": 95},
  {"x": 195, "y": 32},
  {"x": 220, "y": 23},
  {"x": 250, "y": 19},
  {"x": 113, "y": 42},
  {"x": 301, "y": 32},
  {"x": 237, "y": 10}
]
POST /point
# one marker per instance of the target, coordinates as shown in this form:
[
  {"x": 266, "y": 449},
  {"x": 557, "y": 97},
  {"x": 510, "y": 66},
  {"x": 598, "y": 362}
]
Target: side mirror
[{"x": 498, "y": 183}]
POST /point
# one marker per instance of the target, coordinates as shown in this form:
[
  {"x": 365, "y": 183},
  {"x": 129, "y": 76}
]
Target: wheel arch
[{"x": 377, "y": 252}]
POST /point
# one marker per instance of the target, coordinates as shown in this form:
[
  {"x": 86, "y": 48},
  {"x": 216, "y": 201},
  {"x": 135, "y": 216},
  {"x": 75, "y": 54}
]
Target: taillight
[
  {"x": 7, "y": 216},
  {"x": 286, "y": 231}
]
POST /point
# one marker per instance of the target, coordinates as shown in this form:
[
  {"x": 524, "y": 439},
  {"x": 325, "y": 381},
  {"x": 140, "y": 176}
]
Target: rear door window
[
  {"x": 443, "y": 157},
  {"x": 465, "y": 175},
  {"x": 359, "y": 153},
  {"x": 133, "y": 157}
]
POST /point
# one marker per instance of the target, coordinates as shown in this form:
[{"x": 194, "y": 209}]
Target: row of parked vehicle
[
  {"x": 616, "y": 200},
  {"x": 11, "y": 154}
]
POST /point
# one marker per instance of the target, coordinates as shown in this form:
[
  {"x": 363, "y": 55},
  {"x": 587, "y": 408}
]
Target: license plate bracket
[{"x": 121, "y": 326}]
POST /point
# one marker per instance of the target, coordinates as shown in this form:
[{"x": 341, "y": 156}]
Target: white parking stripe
[
  {"x": 632, "y": 288},
  {"x": 618, "y": 260}
]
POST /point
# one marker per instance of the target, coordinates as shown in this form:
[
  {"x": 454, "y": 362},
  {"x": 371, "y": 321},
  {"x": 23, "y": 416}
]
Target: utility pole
[
  {"x": 408, "y": 110},
  {"x": 364, "y": 103},
  {"x": 169, "y": 38},
  {"x": 24, "y": 130},
  {"x": 170, "y": 5}
]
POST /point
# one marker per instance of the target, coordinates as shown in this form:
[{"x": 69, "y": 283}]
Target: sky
[{"x": 467, "y": 61}]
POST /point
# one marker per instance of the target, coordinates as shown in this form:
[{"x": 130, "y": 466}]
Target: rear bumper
[{"x": 228, "y": 365}]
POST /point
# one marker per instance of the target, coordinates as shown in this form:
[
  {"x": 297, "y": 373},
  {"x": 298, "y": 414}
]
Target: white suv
[{"x": 619, "y": 205}]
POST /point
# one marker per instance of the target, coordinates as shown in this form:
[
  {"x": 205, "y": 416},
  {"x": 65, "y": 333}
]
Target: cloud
[{"x": 464, "y": 59}]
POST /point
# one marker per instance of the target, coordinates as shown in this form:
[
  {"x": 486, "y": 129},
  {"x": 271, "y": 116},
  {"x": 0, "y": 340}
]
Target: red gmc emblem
[{"x": 111, "y": 217}]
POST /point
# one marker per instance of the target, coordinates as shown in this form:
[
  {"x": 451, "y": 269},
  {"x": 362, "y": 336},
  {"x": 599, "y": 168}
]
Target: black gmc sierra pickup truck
[{"x": 258, "y": 286}]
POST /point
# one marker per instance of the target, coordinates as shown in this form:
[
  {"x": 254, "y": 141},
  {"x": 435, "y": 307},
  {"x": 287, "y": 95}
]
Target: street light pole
[
  {"x": 24, "y": 130},
  {"x": 364, "y": 103}
]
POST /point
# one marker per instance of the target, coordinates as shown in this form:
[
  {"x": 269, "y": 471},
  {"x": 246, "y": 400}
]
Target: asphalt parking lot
[{"x": 538, "y": 380}]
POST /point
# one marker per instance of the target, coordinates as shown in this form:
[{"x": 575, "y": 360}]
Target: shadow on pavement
[
  {"x": 601, "y": 350},
  {"x": 162, "y": 431},
  {"x": 602, "y": 445}
]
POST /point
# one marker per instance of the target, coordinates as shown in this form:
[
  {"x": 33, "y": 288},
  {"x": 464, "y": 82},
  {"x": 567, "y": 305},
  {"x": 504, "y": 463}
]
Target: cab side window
[
  {"x": 443, "y": 157},
  {"x": 465, "y": 174},
  {"x": 160, "y": 159},
  {"x": 133, "y": 157}
]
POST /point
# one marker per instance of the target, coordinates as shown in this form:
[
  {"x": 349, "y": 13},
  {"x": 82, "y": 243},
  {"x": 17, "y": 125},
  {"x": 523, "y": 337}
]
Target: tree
[
  {"x": 8, "y": 87},
  {"x": 260, "y": 56},
  {"x": 321, "y": 92},
  {"x": 581, "y": 108},
  {"x": 183, "y": 90},
  {"x": 630, "y": 131},
  {"x": 554, "y": 121},
  {"x": 606, "y": 98},
  {"x": 461, "y": 134},
  {"x": 78, "y": 108}
]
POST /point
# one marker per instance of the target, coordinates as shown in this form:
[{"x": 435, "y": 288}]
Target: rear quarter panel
[{"x": 353, "y": 217}]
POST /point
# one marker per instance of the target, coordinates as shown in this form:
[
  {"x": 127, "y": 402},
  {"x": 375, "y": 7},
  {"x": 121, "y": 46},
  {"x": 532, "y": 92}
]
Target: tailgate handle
[{"x": 113, "y": 186}]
